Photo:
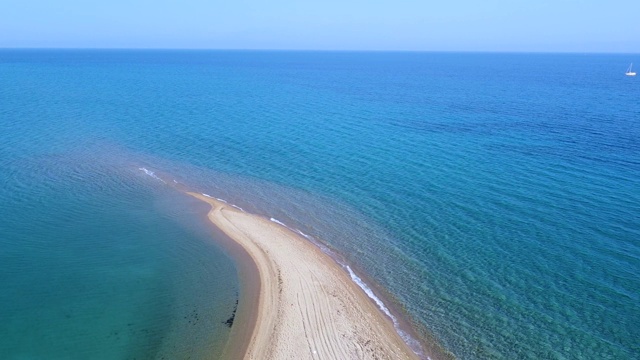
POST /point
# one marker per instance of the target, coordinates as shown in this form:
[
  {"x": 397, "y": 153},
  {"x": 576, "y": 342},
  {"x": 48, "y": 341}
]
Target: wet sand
[{"x": 307, "y": 307}]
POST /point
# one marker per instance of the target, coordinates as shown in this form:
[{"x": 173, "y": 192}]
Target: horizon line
[{"x": 321, "y": 50}]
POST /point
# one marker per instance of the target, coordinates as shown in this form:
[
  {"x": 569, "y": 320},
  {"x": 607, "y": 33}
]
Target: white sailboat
[{"x": 629, "y": 71}]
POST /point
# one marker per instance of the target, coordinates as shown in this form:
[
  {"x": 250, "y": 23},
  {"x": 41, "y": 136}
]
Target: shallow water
[
  {"x": 100, "y": 265},
  {"x": 494, "y": 196}
]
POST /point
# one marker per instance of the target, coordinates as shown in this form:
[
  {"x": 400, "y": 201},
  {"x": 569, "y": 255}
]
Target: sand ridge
[{"x": 308, "y": 306}]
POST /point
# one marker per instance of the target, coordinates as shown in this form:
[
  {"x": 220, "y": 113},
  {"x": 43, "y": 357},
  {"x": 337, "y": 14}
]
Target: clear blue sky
[{"x": 449, "y": 25}]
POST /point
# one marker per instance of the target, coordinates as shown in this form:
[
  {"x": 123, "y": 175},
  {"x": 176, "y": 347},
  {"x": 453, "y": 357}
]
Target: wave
[
  {"x": 317, "y": 243},
  {"x": 152, "y": 174},
  {"x": 279, "y": 222},
  {"x": 224, "y": 201},
  {"x": 238, "y": 207},
  {"x": 413, "y": 343},
  {"x": 408, "y": 339}
]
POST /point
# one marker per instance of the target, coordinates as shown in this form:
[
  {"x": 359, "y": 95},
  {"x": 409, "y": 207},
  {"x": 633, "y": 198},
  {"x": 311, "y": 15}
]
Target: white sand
[{"x": 308, "y": 307}]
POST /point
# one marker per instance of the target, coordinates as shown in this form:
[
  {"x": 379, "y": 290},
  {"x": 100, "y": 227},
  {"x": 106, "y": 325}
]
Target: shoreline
[
  {"x": 308, "y": 304},
  {"x": 243, "y": 319}
]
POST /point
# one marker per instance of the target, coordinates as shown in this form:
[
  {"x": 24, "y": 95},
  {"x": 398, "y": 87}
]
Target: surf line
[{"x": 407, "y": 338}]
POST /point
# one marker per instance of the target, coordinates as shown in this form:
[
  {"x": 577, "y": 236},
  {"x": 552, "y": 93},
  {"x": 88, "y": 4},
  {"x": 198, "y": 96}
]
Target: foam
[
  {"x": 238, "y": 207},
  {"x": 324, "y": 249},
  {"x": 408, "y": 339},
  {"x": 152, "y": 174},
  {"x": 224, "y": 201},
  {"x": 415, "y": 346},
  {"x": 370, "y": 293},
  {"x": 279, "y": 222}
]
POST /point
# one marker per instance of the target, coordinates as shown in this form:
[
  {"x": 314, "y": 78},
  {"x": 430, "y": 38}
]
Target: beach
[{"x": 308, "y": 307}]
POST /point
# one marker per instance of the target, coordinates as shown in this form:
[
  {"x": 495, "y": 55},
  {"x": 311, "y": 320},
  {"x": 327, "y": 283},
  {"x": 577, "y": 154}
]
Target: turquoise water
[{"x": 494, "y": 197}]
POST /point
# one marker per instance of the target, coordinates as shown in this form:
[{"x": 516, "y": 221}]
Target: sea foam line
[
  {"x": 408, "y": 339},
  {"x": 151, "y": 173},
  {"x": 238, "y": 207},
  {"x": 370, "y": 293},
  {"x": 224, "y": 201},
  {"x": 279, "y": 222},
  {"x": 413, "y": 343},
  {"x": 316, "y": 243}
]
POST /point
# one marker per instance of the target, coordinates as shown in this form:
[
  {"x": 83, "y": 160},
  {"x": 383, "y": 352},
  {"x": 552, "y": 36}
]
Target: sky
[{"x": 412, "y": 25}]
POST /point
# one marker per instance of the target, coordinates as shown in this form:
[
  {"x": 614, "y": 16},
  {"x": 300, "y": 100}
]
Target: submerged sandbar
[{"x": 308, "y": 306}]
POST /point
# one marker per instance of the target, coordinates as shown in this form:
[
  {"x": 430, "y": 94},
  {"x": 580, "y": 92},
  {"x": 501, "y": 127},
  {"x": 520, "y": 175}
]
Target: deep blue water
[{"x": 494, "y": 197}]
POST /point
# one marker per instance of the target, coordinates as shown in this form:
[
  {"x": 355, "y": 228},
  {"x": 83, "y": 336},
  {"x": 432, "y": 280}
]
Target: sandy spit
[{"x": 308, "y": 306}]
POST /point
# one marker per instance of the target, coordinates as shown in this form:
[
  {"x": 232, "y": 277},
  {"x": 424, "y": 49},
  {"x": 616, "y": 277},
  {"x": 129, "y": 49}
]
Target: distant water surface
[{"x": 495, "y": 197}]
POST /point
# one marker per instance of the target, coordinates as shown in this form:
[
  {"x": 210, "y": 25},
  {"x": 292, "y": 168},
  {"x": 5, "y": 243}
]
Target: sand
[{"x": 308, "y": 307}]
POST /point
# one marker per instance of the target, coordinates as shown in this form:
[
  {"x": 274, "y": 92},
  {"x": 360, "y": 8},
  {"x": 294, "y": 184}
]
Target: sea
[{"x": 492, "y": 199}]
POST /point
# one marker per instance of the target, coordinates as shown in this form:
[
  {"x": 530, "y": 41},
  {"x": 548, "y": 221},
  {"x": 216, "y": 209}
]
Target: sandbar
[{"x": 308, "y": 307}]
